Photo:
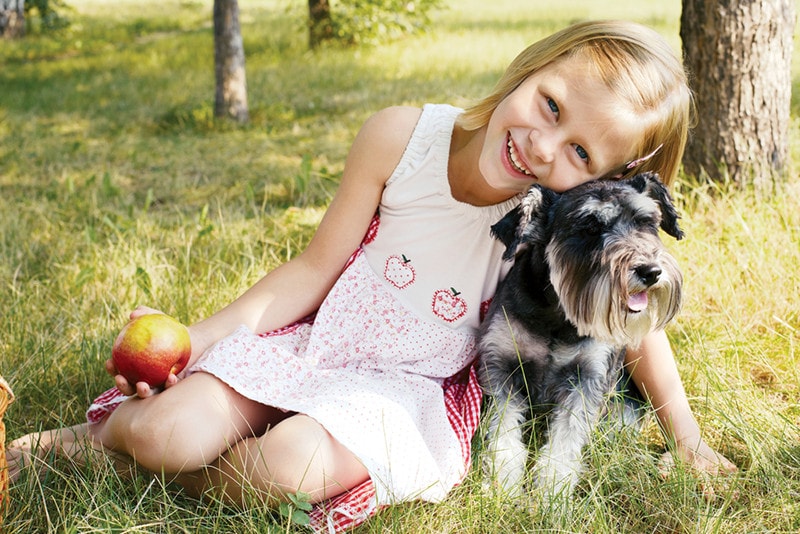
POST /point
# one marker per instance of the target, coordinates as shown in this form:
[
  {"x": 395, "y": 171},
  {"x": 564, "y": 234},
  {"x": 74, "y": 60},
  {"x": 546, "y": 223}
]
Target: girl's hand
[
  {"x": 141, "y": 389},
  {"x": 703, "y": 460}
]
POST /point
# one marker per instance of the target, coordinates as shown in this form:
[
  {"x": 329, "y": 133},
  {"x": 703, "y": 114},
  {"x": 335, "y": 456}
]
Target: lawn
[{"x": 117, "y": 188}]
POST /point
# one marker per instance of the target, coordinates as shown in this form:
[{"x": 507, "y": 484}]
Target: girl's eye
[
  {"x": 582, "y": 152},
  {"x": 552, "y": 105}
]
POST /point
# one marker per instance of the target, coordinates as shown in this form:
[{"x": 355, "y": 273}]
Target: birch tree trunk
[
  {"x": 12, "y": 18},
  {"x": 231, "y": 92},
  {"x": 739, "y": 55}
]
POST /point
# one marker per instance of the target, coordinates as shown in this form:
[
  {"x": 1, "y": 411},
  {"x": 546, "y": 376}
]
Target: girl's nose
[{"x": 542, "y": 145}]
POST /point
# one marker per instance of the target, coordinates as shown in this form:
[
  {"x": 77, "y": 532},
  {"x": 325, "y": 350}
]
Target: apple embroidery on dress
[
  {"x": 448, "y": 305},
  {"x": 399, "y": 272}
]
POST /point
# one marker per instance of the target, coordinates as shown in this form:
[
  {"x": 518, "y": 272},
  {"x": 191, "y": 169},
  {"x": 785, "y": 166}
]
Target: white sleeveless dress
[{"x": 401, "y": 319}]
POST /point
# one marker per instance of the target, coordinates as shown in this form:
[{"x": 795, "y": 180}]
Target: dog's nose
[{"x": 648, "y": 274}]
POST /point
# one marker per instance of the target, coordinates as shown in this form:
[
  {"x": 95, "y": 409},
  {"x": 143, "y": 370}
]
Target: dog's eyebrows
[
  {"x": 642, "y": 204},
  {"x": 604, "y": 210}
]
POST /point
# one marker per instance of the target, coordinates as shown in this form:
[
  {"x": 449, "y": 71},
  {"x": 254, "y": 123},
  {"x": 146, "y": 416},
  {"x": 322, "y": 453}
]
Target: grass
[{"x": 117, "y": 188}]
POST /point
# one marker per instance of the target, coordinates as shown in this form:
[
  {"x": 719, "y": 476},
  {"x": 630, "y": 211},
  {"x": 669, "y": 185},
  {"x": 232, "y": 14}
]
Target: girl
[{"x": 363, "y": 396}]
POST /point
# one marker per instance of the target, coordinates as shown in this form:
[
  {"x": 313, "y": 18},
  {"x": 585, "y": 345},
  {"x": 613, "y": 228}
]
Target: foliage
[
  {"x": 46, "y": 15},
  {"x": 296, "y": 510},
  {"x": 377, "y": 21},
  {"x": 117, "y": 190}
]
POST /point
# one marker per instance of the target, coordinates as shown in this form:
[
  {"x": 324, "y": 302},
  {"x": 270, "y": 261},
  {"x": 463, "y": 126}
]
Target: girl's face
[{"x": 561, "y": 127}]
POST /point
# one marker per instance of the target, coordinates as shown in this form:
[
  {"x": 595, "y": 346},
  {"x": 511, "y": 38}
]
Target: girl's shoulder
[
  {"x": 382, "y": 140},
  {"x": 404, "y": 116},
  {"x": 394, "y": 125}
]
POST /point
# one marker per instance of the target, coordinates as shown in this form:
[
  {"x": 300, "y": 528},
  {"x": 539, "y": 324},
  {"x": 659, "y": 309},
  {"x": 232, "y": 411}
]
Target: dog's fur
[{"x": 555, "y": 334}]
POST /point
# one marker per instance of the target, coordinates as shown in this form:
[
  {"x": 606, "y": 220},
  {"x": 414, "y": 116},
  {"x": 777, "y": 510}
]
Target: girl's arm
[
  {"x": 653, "y": 369},
  {"x": 298, "y": 287}
]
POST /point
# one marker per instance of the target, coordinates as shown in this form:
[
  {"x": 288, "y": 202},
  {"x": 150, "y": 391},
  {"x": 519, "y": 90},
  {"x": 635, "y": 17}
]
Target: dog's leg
[
  {"x": 571, "y": 424},
  {"x": 506, "y": 454},
  {"x": 506, "y": 349}
]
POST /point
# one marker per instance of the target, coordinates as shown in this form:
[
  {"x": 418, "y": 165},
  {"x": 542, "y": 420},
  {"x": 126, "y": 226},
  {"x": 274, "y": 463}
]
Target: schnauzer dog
[{"x": 590, "y": 277}]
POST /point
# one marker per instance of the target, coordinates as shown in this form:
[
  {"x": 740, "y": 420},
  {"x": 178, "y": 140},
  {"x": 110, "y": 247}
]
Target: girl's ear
[
  {"x": 526, "y": 222},
  {"x": 650, "y": 184}
]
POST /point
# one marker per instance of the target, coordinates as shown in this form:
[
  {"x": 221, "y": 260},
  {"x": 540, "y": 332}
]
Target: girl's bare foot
[{"x": 34, "y": 448}]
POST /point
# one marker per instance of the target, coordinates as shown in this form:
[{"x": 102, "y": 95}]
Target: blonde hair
[{"x": 639, "y": 68}]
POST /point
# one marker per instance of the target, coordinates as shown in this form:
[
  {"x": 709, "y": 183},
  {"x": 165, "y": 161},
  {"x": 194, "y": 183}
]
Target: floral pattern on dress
[{"x": 370, "y": 371}]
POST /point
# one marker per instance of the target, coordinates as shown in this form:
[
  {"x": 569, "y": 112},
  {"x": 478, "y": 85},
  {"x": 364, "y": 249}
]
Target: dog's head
[{"x": 614, "y": 279}]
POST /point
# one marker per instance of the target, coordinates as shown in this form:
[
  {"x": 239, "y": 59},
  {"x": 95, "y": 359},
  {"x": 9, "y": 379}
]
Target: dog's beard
[{"x": 594, "y": 294}]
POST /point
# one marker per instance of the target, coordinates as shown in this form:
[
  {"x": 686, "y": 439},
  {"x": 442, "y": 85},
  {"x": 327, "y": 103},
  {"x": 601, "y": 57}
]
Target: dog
[{"x": 590, "y": 277}]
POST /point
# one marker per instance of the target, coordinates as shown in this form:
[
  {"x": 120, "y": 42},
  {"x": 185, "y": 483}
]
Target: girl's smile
[{"x": 515, "y": 160}]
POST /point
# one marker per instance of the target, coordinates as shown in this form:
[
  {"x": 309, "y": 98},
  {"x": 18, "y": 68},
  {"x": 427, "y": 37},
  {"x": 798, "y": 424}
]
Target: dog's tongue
[{"x": 638, "y": 301}]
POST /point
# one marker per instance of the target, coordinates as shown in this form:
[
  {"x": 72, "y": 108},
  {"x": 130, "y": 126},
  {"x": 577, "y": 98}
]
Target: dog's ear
[
  {"x": 650, "y": 184},
  {"x": 520, "y": 224},
  {"x": 506, "y": 231}
]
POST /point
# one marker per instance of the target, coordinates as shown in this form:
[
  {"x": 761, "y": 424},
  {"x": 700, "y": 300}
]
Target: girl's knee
[
  {"x": 301, "y": 456},
  {"x": 143, "y": 431},
  {"x": 158, "y": 435},
  {"x": 183, "y": 428}
]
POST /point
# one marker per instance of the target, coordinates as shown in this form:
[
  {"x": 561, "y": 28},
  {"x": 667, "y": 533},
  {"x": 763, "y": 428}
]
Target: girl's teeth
[{"x": 512, "y": 156}]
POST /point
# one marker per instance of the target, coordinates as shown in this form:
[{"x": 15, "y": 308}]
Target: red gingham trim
[
  {"x": 345, "y": 511},
  {"x": 308, "y": 319},
  {"x": 353, "y": 257},
  {"x": 372, "y": 230},
  {"x": 104, "y": 404},
  {"x": 462, "y": 398}
]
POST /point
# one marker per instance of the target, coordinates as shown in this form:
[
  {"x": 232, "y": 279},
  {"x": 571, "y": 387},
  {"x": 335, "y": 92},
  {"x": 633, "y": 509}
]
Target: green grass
[{"x": 117, "y": 188}]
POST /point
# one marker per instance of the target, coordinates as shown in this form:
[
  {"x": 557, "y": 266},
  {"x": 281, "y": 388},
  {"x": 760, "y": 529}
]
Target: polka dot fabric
[{"x": 371, "y": 372}]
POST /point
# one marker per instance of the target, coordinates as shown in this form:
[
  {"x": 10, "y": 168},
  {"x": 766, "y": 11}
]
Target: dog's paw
[
  {"x": 504, "y": 477},
  {"x": 555, "y": 479},
  {"x": 504, "y": 472},
  {"x": 504, "y": 463}
]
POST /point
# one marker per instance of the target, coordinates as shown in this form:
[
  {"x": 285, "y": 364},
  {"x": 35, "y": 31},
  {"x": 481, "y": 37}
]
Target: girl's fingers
[
  {"x": 143, "y": 310},
  {"x": 712, "y": 477}
]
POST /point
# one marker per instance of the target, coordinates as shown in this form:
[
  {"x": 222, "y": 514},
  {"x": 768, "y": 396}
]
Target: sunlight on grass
[{"x": 118, "y": 188}]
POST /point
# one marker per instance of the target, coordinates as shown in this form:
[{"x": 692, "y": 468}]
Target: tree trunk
[
  {"x": 231, "y": 94},
  {"x": 12, "y": 18},
  {"x": 739, "y": 55},
  {"x": 320, "y": 24}
]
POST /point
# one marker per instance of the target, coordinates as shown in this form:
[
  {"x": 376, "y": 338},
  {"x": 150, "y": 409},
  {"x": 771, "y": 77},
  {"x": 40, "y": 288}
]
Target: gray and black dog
[{"x": 590, "y": 277}]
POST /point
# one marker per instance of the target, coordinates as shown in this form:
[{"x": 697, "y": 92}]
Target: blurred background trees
[
  {"x": 366, "y": 22},
  {"x": 18, "y": 16},
  {"x": 738, "y": 53}
]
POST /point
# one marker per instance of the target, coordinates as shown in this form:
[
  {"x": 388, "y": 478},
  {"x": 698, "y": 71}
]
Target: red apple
[{"x": 151, "y": 347}]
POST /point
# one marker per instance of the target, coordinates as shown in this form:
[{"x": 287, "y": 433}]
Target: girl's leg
[
  {"x": 183, "y": 431},
  {"x": 75, "y": 443},
  {"x": 297, "y": 455},
  {"x": 32, "y": 449},
  {"x": 184, "y": 427}
]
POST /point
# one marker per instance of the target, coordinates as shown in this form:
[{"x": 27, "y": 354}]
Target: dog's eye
[
  {"x": 592, "y": 227},
  {"x": 641, "y": 220}
]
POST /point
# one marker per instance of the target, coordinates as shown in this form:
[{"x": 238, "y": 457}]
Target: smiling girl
[{"x": 374, "y": 402}]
